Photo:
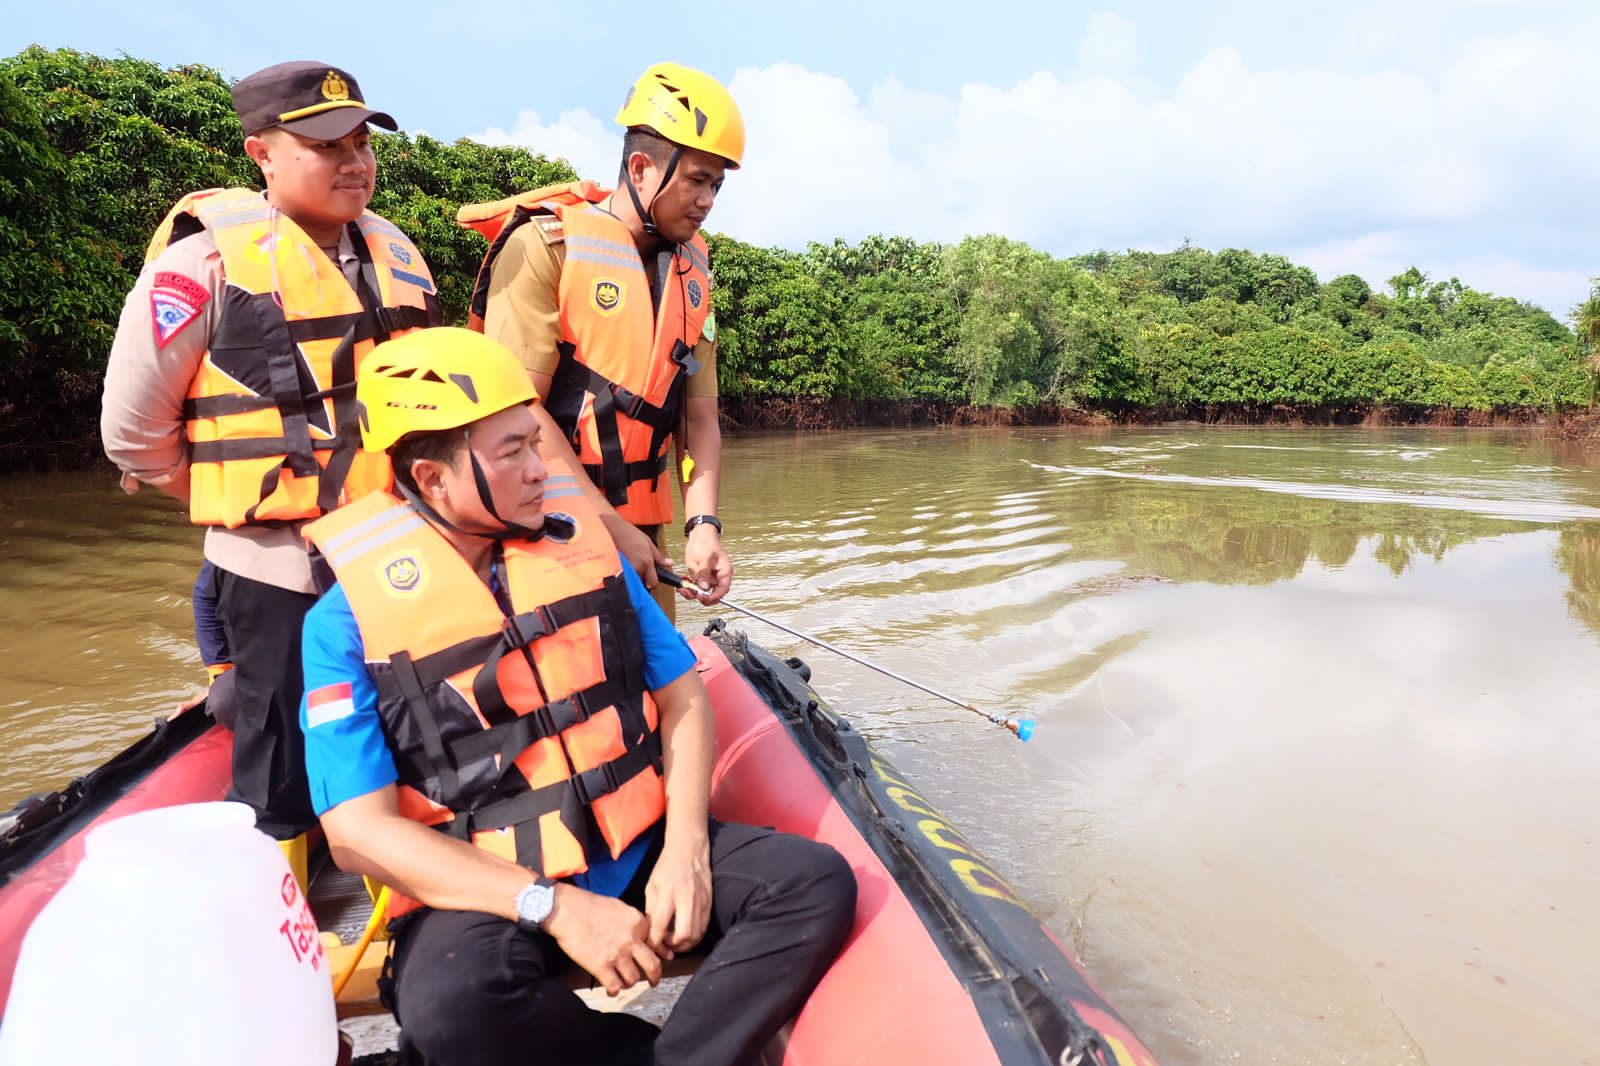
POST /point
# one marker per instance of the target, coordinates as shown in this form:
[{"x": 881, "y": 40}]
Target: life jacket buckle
[
  {"x": 546, "y": 718},
  {"x": 628, "y": 402},
  {"x": 683, "y": 355},
  {"x": 390, "y": 320},
  {"x": 594, "y": 783},
  {"x": 525, "y": 628}
]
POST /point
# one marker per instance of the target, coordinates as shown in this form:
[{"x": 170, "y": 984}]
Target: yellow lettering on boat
[
  {"x": 944, "y": 835},
  {"x": 909, "y": 800},
  {"x": 882, "y": 770},
  {"x": 983, "y": 881}
]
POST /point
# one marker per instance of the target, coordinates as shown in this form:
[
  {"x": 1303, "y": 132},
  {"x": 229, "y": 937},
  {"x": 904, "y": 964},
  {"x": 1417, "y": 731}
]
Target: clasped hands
[{"x": 620, "y": 945}]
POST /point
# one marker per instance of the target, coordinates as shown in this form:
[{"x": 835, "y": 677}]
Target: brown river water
[{"x": 1317, "y": 771}]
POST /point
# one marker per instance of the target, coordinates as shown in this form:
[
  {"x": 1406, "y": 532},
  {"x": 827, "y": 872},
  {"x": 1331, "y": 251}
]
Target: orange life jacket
[
  {"x": 618, "y": 389},
  {"x": 270, "y": 415},
  {"x": 538, "y": 724}
]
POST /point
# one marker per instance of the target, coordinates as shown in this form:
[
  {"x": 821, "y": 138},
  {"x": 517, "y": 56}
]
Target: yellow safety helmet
[
  {"x": 688, "y": 108},
  {"x": 433, "y": 379}
]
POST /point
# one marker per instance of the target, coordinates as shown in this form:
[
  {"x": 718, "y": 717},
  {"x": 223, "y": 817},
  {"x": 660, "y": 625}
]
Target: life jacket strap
[
  {"x": 479, "y": 307},
  {"x": 220, "y": 451},
  {"x": 437, "y": 764},
  {"x": 573, "y": 382},
  {"x": 509, "y": 739},
  {"x": 379, "y": 322},
  {"x": 435, "y": 668},
  {"x": 583, "y": 789}
]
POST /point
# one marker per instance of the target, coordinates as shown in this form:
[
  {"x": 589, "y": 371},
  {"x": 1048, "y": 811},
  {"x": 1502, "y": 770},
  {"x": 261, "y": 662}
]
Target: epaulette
[{"x": 550, "y": 228}]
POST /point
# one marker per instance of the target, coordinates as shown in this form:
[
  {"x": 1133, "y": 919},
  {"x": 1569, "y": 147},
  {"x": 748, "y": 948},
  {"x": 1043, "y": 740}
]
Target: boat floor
[{"x": 343, "y": 907}]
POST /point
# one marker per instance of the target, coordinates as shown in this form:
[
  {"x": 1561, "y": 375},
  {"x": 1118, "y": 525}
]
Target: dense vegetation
[{"x": 94, "y": 151}]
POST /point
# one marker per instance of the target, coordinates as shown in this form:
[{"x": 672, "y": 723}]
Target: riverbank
[
  {"x": 73, "y": 442},
  {"x": 811, "y": 414}
]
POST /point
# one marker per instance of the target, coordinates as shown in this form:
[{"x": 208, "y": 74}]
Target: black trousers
[
  {"x": 471, "y": 989},
  {"x": 262, "y": 623}
]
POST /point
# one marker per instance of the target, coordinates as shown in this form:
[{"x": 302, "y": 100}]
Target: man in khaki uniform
[
  {"x": 231, "y": 383},
  {"x": 684, "y": 132}
]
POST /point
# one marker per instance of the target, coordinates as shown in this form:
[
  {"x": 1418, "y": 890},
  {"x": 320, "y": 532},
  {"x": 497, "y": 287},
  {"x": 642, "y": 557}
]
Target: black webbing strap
[
  {"x": 613, "y": 482},
  {"x": 221, "y": 406},
  {"x": 438, "y": 667},
  {"x": 283, "y": 375},
  {"x": 642, "y": 470},
  {"x": 569, "y": 387},
  {"x": 219, "y": 451},
  {"x": 346, "y": 426},
  {"x": 582, "y": 789},
  {"x": 379, "y": 322},
  {"x": 480, "y": 288},
  {"x": 434, "y": 761},
  {"x": 573, "y": 382},
  {"x": 509, "y": 739},
  {"x": 627, "y": 668}
]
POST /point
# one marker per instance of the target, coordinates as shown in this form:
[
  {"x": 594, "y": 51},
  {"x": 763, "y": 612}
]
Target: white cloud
[
  {"x": 1470, "y": 162},
  {"x": 592, "y": 147},
  {"x": 1110, "y": 46}
]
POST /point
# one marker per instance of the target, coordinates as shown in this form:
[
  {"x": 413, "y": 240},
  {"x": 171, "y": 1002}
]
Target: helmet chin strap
[
  {"x": 507, "y": 530},
  {"x": 647, "y": 214}
]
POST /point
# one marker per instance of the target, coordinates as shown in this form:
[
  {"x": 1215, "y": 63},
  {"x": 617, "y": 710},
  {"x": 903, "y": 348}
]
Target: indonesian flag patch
[
  {"x": 175, "y": 301},
  {"x": 330, "y": 703}
]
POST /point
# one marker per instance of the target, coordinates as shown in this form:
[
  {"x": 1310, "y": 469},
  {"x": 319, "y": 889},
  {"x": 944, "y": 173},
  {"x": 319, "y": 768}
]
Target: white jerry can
[{"x": 182, "y": 939}]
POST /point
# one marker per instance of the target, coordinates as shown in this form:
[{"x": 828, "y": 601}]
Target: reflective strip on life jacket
[{"x": 270, "y": 414}]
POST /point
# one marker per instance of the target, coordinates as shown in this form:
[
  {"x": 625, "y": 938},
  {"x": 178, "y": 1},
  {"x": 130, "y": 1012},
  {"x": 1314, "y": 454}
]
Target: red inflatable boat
[{"x": 945, "y": 964}]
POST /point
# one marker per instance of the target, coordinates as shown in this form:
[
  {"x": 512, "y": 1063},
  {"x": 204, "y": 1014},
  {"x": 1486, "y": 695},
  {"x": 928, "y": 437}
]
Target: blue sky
[{"x": 1357, "y": 137}]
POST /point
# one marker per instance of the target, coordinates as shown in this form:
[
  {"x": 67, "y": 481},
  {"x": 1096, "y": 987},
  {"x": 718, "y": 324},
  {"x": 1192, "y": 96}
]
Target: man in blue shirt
[{"x": 490, "y": 672}]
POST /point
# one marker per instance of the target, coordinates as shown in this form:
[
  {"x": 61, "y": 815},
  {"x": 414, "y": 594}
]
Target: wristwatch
[
  {"x": 535, "y": 902},
  {"x": 702, "y": 520}
]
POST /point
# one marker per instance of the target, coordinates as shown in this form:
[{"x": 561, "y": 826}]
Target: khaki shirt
[
  {"x": 524, "y": 313},
  {"x": 141, "y": 412}
]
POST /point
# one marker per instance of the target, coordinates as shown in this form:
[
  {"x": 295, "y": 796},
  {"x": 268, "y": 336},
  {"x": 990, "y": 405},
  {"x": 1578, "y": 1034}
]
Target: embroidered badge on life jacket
[
  {"x": 607, "y": 297},
  {"x": 403, "y": 574},
  {"x": 694, "y": 294},
  {"x": 175, "y": 301}
]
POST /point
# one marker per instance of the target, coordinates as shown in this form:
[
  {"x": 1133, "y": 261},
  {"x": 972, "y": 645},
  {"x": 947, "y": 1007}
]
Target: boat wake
[{"x": 1524, "y": 510}]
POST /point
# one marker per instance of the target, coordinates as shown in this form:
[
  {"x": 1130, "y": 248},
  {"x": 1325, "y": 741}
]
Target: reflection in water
[
  {"x": 1579, "y": 557},
  {"x": 1313, "y": 779}
]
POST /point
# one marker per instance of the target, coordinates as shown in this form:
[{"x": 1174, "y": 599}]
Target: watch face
[{"x": 534, "y": 903}]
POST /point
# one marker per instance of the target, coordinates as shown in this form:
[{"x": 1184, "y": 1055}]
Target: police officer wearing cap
[{"x": 231, "y": 384}]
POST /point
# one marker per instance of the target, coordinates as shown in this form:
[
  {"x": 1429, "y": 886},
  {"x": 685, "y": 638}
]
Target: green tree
[{"x": 1586, "y": 317}]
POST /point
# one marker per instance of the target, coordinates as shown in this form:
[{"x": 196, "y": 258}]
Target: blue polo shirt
[{"x": 346, "y": 752}]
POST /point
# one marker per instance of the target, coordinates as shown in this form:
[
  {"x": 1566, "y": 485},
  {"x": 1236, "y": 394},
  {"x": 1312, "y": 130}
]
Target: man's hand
[
  {"x": 636, "y": 547},
  {"x": 707, "y": 564},
  {"x": 605, "y": 936},
  {"x": 677, "y": 898}
]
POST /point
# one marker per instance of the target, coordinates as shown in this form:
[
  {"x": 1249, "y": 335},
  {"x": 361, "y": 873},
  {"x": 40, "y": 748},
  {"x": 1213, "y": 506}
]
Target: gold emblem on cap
[{"x": 334, "y": 87}]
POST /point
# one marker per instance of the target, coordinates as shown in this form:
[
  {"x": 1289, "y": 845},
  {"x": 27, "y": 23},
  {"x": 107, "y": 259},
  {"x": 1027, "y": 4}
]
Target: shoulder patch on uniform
[
  {"x": 330, "y": 703},
  {"x": 550, "y": 228},
  {"x": 709, "y": 330},
  {"x": 175, "y": 301}
]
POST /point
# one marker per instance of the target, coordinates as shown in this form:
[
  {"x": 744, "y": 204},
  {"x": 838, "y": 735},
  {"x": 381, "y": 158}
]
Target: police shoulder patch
[
  {"x": 550, "y": 228},
  {"x": 175, "y": 301}
]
